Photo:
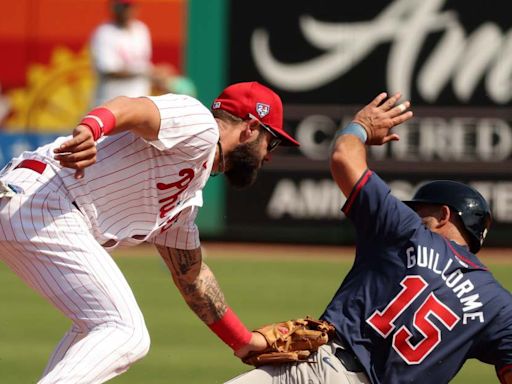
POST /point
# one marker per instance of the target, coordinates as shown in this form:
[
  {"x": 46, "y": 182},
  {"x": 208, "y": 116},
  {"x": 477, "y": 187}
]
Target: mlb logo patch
[
  {"x": 216, "y": 105},
  {"x": 262, "y": 109}
]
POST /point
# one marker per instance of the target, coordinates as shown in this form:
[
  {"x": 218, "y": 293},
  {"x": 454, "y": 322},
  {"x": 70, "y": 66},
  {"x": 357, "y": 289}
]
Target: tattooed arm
[
  {"x": 202, "y": 293},
  {"x": 196, "y": 282}
]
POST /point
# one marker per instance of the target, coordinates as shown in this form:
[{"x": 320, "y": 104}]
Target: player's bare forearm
[
  {"x": 196, "y": 282},
  {"x": 140, "y": 115},
  {"x": 137, "y": 114},
  {"x": 348, "y": 162}
]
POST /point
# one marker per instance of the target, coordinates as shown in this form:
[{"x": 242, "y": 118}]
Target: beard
[{"x": 243, "y": 164}]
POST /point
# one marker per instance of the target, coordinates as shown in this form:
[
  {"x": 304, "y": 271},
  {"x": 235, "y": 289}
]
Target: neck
[
  {"x": 454, "y": 235},
  {"x": 219, "y": 163}
]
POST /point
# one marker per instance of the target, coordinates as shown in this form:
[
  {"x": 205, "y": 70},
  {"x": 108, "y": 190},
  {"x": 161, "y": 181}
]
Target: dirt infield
[
  {"x": 266, "y": 251},
  {"x": 286, "y": 251}
]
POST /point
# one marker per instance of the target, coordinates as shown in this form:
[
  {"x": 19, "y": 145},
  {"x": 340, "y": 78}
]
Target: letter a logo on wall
[{"x": 262, "y": 109}]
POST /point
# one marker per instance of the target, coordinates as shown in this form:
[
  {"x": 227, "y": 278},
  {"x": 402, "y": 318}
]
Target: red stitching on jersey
[
  {"x": 359, "y": 185},
  {"x": 462, "y": 257}
]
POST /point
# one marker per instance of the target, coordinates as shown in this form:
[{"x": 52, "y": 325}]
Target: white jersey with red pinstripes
[{"x": 142, "y": 190}]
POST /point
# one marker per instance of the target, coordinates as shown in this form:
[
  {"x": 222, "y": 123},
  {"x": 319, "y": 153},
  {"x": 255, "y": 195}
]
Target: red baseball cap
[{"x": 242, "y": 99}]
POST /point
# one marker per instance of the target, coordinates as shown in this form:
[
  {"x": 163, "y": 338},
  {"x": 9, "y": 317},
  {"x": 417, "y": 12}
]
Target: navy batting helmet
[{"x": 466, "y": 201}]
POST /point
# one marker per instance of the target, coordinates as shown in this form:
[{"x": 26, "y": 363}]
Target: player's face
[{"x": 244, "y": 162}]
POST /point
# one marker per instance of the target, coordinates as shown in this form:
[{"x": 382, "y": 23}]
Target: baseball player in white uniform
[{"x": 131, "y": 172}]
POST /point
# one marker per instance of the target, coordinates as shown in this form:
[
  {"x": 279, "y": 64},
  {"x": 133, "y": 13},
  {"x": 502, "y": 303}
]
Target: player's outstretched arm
[
  {"x": 139, "y": 115},
  {"x": 371, "y": 125},
  {"x": 203, "y": 295}
]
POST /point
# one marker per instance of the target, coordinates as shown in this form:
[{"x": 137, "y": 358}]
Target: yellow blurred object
[{"x": 56, "y": 95}]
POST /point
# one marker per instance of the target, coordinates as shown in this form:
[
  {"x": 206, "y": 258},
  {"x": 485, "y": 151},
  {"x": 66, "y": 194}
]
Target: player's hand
[
  {"x": 257, "y": 343},
  {"x": 78, "y": 152},
  {"x": 381, "y": 115}
]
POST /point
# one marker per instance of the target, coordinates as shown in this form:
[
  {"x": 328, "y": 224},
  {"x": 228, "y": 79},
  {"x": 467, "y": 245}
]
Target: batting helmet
[{"x": 466, "y": 201}]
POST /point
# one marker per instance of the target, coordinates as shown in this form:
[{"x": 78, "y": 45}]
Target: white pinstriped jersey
[{"x": 146, "y": 191}]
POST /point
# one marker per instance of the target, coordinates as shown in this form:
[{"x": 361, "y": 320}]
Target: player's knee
[
  {"x": 145, "y": 342},
  {"x": 139, "y": 343}
]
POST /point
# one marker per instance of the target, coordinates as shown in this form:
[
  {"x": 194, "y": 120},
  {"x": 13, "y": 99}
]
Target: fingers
[
  {"x": 75, "y": 154},
  {"x": 71, "y": 145},
  {"x": 392, "y": 137},
  {"x": 78, "y": 152},
  {"x": 83, "y": 162},
  {"x": 79, "y": 174},
  {"x": 402, "y": 118},
  {"x": 390, "y": 103},
  {"x": 378, "y": 100},
  {"x": 82, "y": 136}
]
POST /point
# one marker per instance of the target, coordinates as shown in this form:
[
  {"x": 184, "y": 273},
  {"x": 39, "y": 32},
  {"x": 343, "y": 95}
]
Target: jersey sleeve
[
  {"x": 186, "y": 125},
  {"x": 376, "y": 213},
  {"x": 184, "y": 234},
  {"x": 496, "y": 346}
]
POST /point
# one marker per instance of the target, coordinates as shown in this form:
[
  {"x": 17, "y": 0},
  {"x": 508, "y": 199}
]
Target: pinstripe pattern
[
  {"x": 118, "y": 194},
  {"x": 136, "y": 191},
  {"x": 45, "y": 241}
]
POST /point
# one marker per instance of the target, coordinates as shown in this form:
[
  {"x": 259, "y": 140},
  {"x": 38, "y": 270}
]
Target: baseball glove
[{"x": 291, "y": 341}]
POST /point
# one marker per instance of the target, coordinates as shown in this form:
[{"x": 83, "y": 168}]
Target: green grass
[{"x": 183, "y": 349}]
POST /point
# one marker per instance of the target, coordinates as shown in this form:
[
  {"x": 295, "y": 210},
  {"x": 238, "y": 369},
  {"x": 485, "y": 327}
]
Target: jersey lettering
[
  {"x": 382, "y": 322},
  {"x": 456, "y": 281},
  {"x": 178, "y": 187}
]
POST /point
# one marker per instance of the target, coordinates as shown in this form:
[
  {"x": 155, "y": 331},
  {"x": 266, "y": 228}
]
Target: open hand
[
  {"x": 78, "y": 152},
  {"x": 381, "y": 115}
]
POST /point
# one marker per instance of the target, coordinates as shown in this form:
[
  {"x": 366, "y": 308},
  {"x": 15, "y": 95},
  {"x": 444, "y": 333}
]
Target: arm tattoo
[{"x": 196, "y": 282}]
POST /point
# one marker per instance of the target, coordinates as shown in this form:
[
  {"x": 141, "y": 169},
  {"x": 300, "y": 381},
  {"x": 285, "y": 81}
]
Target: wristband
[
  {"x": 230, "y": 330},
  {"x": 355, "y": 129},
  {"x": 101, "y": 121}
]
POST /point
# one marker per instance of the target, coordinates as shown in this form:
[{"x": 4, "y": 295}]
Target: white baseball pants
[{"x": 45, "y": 240}]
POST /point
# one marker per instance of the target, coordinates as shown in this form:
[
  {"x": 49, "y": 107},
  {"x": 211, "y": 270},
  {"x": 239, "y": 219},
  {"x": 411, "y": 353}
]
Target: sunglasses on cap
[{"x": 274, "y": 141}]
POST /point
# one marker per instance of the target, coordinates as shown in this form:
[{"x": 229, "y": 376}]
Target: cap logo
[
  {"x": 216, "y": 105},
  {"x": 262, "y": 109}
]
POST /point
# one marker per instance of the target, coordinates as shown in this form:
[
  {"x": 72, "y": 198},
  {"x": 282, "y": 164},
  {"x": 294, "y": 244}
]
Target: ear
[
  {"x": 249, "y": 130},
  {"x": 445, "y": 214}
]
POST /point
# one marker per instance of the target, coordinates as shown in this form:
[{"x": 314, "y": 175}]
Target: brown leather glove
[{"x": 291, "y": 341}]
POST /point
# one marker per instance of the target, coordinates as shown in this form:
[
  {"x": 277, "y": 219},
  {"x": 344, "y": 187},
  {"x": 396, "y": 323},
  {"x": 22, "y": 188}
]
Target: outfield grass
[{"x": 261, "y": 290}]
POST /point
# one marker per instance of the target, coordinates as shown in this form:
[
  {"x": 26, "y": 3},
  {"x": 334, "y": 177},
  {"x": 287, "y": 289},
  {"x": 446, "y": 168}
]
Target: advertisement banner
[{"x": 452, "y": 59}]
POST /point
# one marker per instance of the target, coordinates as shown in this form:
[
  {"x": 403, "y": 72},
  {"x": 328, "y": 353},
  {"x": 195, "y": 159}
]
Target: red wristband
[
  {"x": 101, "y": 121},
  {"x": 231, "y": 330}
]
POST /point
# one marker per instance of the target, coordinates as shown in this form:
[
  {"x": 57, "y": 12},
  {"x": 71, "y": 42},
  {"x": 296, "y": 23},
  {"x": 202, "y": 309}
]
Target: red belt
[{"x": 35, "y": 165}]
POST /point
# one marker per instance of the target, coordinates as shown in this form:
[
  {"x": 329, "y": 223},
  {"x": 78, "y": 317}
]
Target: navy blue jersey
[{"x": 415, "y": 306}]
